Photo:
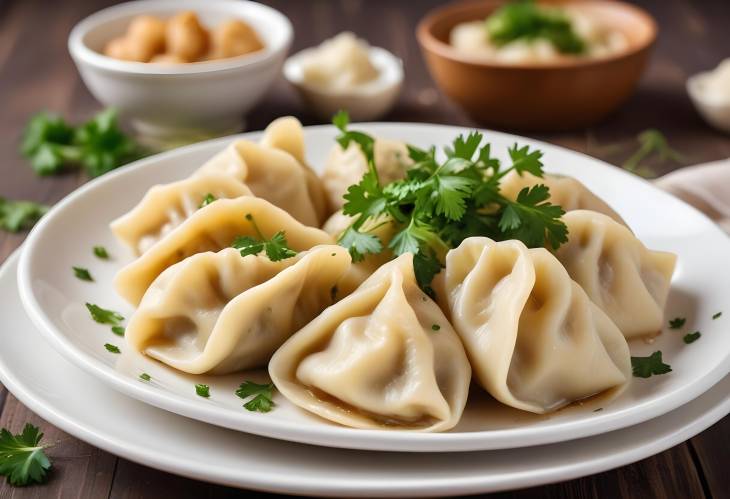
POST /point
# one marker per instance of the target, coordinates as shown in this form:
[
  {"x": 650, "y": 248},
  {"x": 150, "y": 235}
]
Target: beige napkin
[{"x": 705, "y": 186}]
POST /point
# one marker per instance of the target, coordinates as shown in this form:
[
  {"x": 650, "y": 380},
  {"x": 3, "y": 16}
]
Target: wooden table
[{"x": 37, "y": 73}]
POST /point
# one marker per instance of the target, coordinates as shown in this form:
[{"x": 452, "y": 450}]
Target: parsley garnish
[
  {"x": 202, "y": 390},
  {"x": 98, "y": 145},
  {"x": 275, "y": 248},
  {"x": 101, "y": 252},
  {"x": 262, "y": 396},
  {"x": 83, "y": 274},
  {"x": 691, "y": 337},
  {"x": 18, "y": 215},
  {"x": 652, "y": 142},
  {"x": 435, "y": 327},
  {"x": 22, "y": 459},
  {"x": 442, "y": 202},
  {"x": 598, "y": 410},
  {"x": 209, "y": 198},
  {"x": 716, "y": 316},
  {"x": 118, "y": 330},
  {"x": 644, "y": 367},
  {"x": 145, "y": 377},
  {"x": 677, "y": 323},
  {"x": 112, "y": 348},
  {"x": 523, "y": 20},
  {"x": 103, "y": 316}
]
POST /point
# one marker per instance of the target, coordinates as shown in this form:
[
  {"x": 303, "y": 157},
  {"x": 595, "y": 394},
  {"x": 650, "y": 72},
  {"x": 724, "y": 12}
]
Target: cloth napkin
[{"x": 705, "y": 186}]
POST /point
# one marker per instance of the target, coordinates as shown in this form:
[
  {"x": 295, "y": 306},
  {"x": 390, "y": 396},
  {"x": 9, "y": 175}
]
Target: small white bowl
[
  {"x": 174, "y": 101},
  {"x": 715, "y": 112},
  {"x": 367, "y": 102}
]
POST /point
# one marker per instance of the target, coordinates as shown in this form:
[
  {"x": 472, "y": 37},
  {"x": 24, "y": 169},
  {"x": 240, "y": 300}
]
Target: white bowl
[
  {"x": 367, "y": 102},
  {"x": 715, "y": 112},
  {"x": 170, "y": 101}
]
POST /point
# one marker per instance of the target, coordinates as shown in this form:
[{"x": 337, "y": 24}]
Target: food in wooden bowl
[{"x": 546, "y": 66}]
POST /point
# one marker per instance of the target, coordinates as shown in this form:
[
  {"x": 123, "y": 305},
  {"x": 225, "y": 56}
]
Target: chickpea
[
  {"x": 145, "y": 37},
  {"x": 167, "y": 59},
  {"x": 233, "y": 38},
  {"x": 185, "y": 37},
  {"x": 117, "y": 48}
]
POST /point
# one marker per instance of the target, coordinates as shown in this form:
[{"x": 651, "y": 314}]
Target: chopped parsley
[
  {"x": 441, "y": 203},
  {"x": 677, "y": 323},
  {"x": 717, "y": 316},
  {"x": 22, "y": 459},
  {"x": 209, "y": 198},
  {"x": 83, "y": 274},
  {"x": 262, "y": 394},
  {"x": 644, "y": 367},
  {"x": 145, "y": 377},
  {"x": 103, "y": 316},
  {"x": 112, "y": 348},
  {"x": 691, "y": 337},
  {"x": 202, "y": 390},
  {"x": 275, "y": 248},
  {"x": 101, "y": 252},
  {"x": 598, "y": 410},
  {"x": 18, "y": 215},
  {"x": 435, "y": 327},
  {"x": 118, "y": 330}
]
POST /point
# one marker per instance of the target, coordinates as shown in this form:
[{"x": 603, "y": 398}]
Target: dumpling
[
  {"x": 213, "y": 228},
  {"x": 164, "y": 207},
  {"x": 271, "y": 174},
  {"x": 535, "y": 340},
  {"x": 383, "y": 357},
  {"x": 565, "y": 191},
  {"x": 628, "y": 281},
  {"x": 345, "y": 167},
  {"x": 221, "y": 312},
  {"x": 286, "y": 134}
]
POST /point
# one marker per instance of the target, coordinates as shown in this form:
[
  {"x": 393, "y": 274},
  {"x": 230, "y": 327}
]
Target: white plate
[
  {"x": 84, "y": 407},
  {"x": 54, "y": 300}
]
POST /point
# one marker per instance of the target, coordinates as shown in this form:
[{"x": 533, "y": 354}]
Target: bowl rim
[
  {"x": 429, "y": 43},
  {"x": 82, "y": 53}
]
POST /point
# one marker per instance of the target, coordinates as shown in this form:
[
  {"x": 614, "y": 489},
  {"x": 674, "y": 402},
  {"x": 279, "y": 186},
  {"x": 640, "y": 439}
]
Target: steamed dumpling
[
  {"x": 271, "y": 174},
  {"x": 628, "y": 281},
  {"x": 535, "y": 340},
  {"x": 221, "y": 312},
  {"x": 383, "y": 357},
  {"x": 164, "y": 207},
  {"x": 345, "y": 167},
  {"x": 213, "y": 228},
  {"x": 565, "y": 191}
]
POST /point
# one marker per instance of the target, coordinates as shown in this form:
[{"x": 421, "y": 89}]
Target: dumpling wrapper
[
  {"x": 628, "y": 281},
  {"x": 565, "y": 191},
  {"x": 166, "y": 206},
  {"x": 220, "y": 312},
  {"x": 213, "y": 228},
  {"x": 345, "y": 167},
  {"x": 535, "y": 340},
  {"x": 385, "y": 357}
]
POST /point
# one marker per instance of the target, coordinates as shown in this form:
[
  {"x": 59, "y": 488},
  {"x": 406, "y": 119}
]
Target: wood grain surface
[{"x": 37, "y": 73}]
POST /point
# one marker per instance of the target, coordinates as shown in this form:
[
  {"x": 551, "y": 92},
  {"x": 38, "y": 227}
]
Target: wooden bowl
[{"x": 560, "y": 95}]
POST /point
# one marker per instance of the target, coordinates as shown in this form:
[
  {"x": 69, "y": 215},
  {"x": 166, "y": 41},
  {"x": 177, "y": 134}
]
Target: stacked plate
[{"x": 60, "y": 368}]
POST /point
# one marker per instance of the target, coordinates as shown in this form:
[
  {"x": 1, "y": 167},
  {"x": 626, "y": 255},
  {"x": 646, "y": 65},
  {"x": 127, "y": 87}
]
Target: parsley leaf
[
  {"x": 717, "y": 316},
  {"x": 359, "y": 244},
  {"x": 22, "y": 459},
  {"x": 101, "y": 252},
  {"x": 103, "y": 316},
  {"x": 652, "y": 144},
  {"x": 262, "y": 396},
  {"x": 677, "y": 323},
  {"x": 202, "y": 390},
  {"x": 82, "y": 274},
  {"x": 18, "y": 215},
  {"x": 207, "y": 199},
  {"x": 145, "y": 377},
  {"x": 435, "y": 327},
  {"x": 644, "y": 367},
  {"x": 276, "y": 248},
  {"x": 118, "y": 330},
  {"x": 691, "y": 337},
  {"x": 524, "y": 160},
  {"x": 112, "y": 348}
]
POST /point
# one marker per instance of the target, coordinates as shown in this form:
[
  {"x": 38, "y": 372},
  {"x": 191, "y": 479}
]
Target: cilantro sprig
[
  {"x": 22, "y": 459},
  {"x": 18, "y": 215},
  {"x": 441, "y": 202},
  {"x": 644, "y": 367},
  {"x": 262, "y": 396},
  {"x": 98, "y": 145},
  {"x": 276, "y": 248}
]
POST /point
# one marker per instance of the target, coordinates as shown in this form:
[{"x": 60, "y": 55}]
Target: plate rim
[{"x": 331, "y": 435}]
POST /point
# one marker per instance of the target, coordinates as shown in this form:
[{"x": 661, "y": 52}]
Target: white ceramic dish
[
  {"x": 184, "y": 99},
  {"x": 369, "y": 102},
  {"x": 54, "y": 300},
  {"x": 84, "y": 407}
]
